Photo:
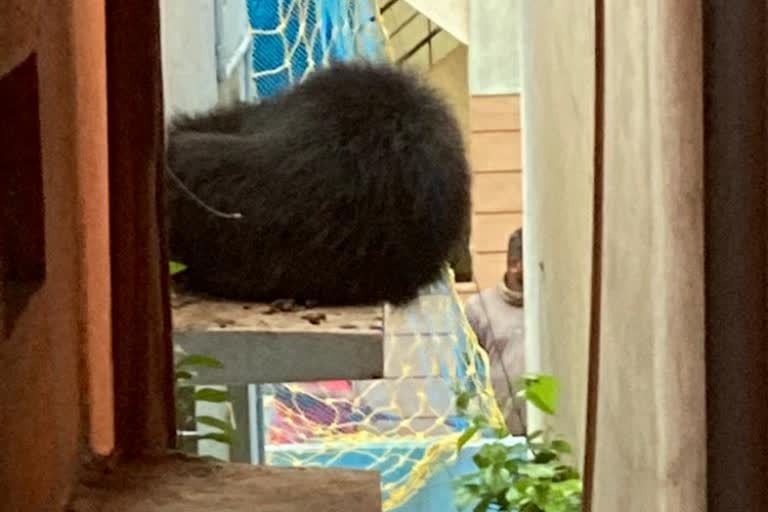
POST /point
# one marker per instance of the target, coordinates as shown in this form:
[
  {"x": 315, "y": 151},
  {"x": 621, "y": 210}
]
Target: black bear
[{"x": 351, "y": 187}]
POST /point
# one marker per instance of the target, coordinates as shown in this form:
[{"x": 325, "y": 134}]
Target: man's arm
[{"x": 477, "y": 318}]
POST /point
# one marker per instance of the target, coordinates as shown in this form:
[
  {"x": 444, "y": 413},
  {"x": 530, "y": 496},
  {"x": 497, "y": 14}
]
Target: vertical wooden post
[
  {"x": 143, "y": 353},
  {"x": 736, "y": 181}
]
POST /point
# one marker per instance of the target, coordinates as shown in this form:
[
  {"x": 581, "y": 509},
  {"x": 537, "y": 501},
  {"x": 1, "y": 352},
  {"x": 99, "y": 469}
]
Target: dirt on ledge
[{"x": 179, "y": 483}]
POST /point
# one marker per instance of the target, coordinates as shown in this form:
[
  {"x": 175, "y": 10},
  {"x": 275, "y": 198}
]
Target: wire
[{"x": 198, "y": 201}]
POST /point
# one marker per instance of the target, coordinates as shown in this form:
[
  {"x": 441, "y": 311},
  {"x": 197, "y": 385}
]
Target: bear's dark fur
[{"x": 353, "y": 188}]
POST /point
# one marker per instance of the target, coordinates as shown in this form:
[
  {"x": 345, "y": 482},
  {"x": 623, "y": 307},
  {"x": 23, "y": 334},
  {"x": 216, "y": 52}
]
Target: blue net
[{"x": 293, "y": 37}]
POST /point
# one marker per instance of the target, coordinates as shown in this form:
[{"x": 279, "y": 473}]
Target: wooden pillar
[
  {"x": 649, "y": 449},
  {"x": 736, "y": 179},
  {"x": 73, "y": 119},
  {"x": 143, "y": 353}
]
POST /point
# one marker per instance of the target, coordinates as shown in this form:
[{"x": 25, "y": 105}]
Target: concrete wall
[
  {"x": 651, "y": 425},
  {"x": 494, "y": 47},
  {"x": 407, "y": 26},
  {"x": 188, "y": 30},
  {"x": 649, "y": 452},
  {"x": 206, "y": 53},
  {"x": 449, "y": 76},
  {"x": 558, "y": 111},
  {"x": 451, "y": 15}
]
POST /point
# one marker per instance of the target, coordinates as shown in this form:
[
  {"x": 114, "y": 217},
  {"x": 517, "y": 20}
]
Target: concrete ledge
[
  {"x": 259, "y": 345},
  {"x": 177, "y": 483}
]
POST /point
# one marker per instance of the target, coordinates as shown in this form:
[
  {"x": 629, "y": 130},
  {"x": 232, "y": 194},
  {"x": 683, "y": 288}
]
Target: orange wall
[
  {"x": 495, "y": 156},
  {"x": 56, "y": 358}
]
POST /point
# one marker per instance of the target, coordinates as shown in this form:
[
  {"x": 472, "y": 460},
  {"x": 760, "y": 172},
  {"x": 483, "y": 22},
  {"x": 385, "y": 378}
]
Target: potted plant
[{"x": 530, "y": 476}]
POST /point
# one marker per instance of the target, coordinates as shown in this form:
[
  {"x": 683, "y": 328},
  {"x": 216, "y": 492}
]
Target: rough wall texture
[
  {"x": 189, "y": 55},
  {"x": 558, "y": 113},
  {"x": 56, "y": 358},
  {"x": 494, "y": 47},
  {"x": 651, "y": 393},
  {"x": 650, "y": 422},
  {"x": 18, "y": 32}
]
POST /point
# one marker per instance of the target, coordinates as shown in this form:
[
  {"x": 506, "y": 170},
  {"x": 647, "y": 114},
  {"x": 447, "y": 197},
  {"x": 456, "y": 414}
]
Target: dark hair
[
  {"x": 515, "y": 247},
  {"x": 352, "y": 187}
]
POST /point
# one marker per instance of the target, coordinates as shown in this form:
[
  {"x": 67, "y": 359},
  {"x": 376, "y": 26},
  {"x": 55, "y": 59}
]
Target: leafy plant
[
  {"x": 187, "y": 396},
  {"x": 176, "y": 267},
  {"x": 529, "y": 476}
]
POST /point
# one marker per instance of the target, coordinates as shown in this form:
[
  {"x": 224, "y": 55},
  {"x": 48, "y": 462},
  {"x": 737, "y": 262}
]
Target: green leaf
[
  {"x": 513, "y": 495},
  {"x": 483, "y": 506},
  {"x": 462, "y": 400},
  {"x": 523, "y": 484},
  {"x": 568, "y": 487},
  {"x": 211, "y": 395},
  {"x": 481, "y": 460},
  {"x": 545, "y": 456},
  {"x": 561, "y": 446},
  {"x": 215, "y": 422},
  {"x": 501, "y": 432},
  {"x": 519, "y": 451},
  {"x": 199, "y": 360},
  {"x": 466, "y": 436},
  {"x": 176, "y": 267},
  {"x": 182, "y": 375},
  {"x": 491, "y": 454},
  {"x": 217, "y": 436},
  {"x": 543, "y": 393},
  {"x": 567, "y": 473},
  {"x": 538, "y": 471}
]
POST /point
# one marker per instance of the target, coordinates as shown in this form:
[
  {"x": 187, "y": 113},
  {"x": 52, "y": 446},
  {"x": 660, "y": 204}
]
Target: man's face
[{"x": 515, "y": 272}]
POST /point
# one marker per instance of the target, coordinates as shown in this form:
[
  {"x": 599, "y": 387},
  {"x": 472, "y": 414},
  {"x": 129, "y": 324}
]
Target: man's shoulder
[
  {"x": 485, "y": 295},
  {"x": 477, "y": 304}
]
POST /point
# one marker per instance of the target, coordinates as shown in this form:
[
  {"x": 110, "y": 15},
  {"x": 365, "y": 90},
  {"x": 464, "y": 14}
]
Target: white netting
[{"x": 293, "y": 37}]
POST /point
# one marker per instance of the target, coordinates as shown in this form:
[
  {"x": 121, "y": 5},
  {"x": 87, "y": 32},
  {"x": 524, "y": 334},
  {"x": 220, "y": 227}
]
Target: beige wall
[
  {"x": 497, "y": 182},
  {"x": 558, "y": 106},
  {"x": 651, "y": 443},
  {"x": 490, "y": 123},
  {"x": 449, "y": 77},
  {"x": 491, "y": 127},
  {"x": 495, "y": 141},
  {"x": 494, "y": 45},
  {"x": 406, "y": 27},
  {"x": 650, "y": 423}
]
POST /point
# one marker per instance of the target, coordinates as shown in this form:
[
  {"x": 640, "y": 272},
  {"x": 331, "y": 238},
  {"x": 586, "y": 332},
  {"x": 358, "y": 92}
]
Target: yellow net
[{"x": 405, "y": 425}]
